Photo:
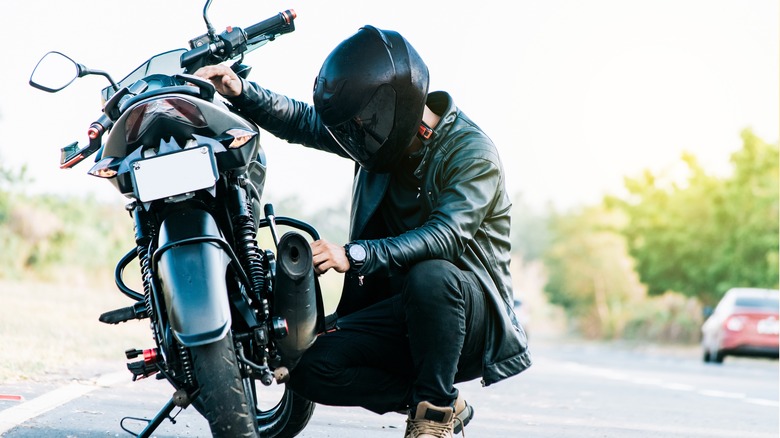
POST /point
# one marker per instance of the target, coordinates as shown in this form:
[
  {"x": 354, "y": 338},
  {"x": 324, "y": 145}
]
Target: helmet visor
[{"x": 364, "y": 134}]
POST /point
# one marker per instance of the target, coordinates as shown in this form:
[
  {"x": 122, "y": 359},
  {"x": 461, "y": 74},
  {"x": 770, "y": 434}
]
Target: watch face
[{"x": 357, "y": 252}]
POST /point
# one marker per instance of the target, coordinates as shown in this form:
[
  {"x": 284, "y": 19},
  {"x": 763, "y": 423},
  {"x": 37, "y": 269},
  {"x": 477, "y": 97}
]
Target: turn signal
[
  {"x": 240, "y": 137},
  {"x": 104, "y": 168}
]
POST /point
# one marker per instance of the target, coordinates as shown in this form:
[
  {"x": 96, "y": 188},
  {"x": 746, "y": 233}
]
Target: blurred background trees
[
  {"x": 589, "y": 271},
  {"x": 637, "y": 266},
  {"x": 645, "y": 264},
  {"x": 706, "y": 234}
]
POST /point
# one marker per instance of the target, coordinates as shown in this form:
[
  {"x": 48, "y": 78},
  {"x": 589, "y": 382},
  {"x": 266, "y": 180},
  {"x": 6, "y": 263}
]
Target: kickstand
[{"x": 154, "y": 423}]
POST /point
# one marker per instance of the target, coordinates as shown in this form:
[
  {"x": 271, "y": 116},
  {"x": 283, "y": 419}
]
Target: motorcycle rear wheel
[
  {"x": 287, "y": 419},
  {"x": 222, "y": 399}
]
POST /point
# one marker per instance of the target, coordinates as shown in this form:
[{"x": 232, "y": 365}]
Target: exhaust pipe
[{"x": 295, "y": 297}]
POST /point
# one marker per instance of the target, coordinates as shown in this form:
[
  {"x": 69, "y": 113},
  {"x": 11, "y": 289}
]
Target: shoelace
[
  {"x": 439, "y": 430},
  {"x": 462, "y": 427}
]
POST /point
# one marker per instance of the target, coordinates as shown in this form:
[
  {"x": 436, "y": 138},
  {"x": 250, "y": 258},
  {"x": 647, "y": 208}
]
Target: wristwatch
[{"x": 356, "y": 254}]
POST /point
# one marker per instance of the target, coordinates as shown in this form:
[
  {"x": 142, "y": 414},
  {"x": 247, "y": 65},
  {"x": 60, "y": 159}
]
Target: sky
[{"x": 576, "y": 94}]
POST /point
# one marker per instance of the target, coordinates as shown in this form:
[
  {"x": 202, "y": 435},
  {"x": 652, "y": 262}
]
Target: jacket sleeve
[
  {"x": 469, "y": 185},
  {"x": 286, "y": 118}
]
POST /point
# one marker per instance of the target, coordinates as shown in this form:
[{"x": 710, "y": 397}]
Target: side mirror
[{"x": 54, "y": 72}]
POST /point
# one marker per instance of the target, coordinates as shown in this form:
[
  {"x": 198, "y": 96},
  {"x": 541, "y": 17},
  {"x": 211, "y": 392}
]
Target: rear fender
[{"x": 191, "y": 270}]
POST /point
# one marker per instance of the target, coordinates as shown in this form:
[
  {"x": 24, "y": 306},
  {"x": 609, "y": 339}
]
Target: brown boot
[{"x": 430, "y": 421}]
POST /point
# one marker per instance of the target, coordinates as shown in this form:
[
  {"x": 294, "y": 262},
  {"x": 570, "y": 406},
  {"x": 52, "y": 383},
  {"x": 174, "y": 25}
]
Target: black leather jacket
[{"x": 463, "y": 196}]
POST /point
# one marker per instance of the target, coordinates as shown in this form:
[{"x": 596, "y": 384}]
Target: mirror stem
[
  {"x": 83, "y": 71},
  {"x": 212, "y": 33}
]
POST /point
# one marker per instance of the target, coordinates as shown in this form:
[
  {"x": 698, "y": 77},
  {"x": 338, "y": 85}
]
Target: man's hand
[
  {"x": 327, "y": 255},
  {"x": 224, "y": 79}
]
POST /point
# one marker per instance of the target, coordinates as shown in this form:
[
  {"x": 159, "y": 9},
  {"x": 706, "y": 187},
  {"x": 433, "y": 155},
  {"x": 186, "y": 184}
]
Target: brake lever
[{"x": 72, "y": 155}]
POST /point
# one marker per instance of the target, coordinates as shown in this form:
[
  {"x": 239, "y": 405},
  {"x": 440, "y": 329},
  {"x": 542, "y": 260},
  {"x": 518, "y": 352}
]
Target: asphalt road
[{"x": 573, "y": 389}]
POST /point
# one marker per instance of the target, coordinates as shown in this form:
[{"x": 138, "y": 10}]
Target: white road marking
[
  {"x": 722, "y": 394},
  {"x": 16, "y": 415},
  {"x": 678, "y": 386},
  {"x": 612, "y": 374},
  {"x": 762, "y": 402}
]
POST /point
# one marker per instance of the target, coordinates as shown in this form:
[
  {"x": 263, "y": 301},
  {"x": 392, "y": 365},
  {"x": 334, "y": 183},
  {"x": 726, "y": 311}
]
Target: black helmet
[{"x": 370, "y": 94}]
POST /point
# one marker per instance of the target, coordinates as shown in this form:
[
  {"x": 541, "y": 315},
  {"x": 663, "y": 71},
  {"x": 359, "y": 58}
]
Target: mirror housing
[{"x": 54, "y": 72}]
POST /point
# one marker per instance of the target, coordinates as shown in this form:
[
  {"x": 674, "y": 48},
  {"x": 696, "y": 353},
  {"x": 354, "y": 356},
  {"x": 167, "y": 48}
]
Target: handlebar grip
[
  {"x": 270, "y": 25},
  {"x": 191, "y": 56}
]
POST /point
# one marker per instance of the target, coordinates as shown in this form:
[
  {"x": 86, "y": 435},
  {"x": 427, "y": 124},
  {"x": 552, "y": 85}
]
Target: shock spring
[
  {"x": 186, "y": 365},
  {"x": 146, "y": 276},
  {"x": 246, "y": 245}
]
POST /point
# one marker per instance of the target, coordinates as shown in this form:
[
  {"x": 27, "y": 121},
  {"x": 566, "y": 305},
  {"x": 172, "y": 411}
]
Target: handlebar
[
  {"x": 205, "y": 50},
  {"x": 234, "y": 41},
  {"x": 272, "y": 26}
]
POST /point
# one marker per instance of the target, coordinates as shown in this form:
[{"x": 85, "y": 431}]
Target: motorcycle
[{"x": 224, "y": 313}]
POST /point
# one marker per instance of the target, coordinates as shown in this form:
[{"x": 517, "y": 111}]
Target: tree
[
  {"x": 707, "y": 234},
  {"x": 589, "y": 271}
]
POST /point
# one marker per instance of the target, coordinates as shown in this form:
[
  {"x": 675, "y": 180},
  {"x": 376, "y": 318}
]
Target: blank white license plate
[{"x": 174, "y": 174}]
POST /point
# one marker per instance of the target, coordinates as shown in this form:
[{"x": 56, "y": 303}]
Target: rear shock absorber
[
  {"x": 244, "y": 234},
  {"x": 144, "y": 229}
]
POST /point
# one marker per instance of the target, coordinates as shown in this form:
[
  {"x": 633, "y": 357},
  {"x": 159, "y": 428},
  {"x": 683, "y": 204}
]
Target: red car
[{"x": 744, "y": 323}]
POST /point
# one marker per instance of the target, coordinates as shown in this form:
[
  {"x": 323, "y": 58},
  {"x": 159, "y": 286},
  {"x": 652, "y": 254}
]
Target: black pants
[{"x": 408, "y": 348}]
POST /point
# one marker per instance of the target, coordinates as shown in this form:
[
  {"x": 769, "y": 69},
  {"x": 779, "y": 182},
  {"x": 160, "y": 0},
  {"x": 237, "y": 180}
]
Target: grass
[{"x": 48, "y": 330}]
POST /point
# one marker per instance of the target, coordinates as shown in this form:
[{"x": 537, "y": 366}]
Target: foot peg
[
  {"x": 146, "y": 367},
  {"x": 136, "y": 311}
]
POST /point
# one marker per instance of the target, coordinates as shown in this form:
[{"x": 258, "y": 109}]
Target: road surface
[{"x": 574, "y": 389}]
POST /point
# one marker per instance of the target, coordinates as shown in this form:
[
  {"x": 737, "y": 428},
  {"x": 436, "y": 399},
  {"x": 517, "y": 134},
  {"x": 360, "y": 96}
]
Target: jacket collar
[{"x": 441, "y": 103}]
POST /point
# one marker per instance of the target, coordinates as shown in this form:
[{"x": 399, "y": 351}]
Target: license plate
[
  {"x": 174, "y": 174},
  {"x": 768, "y": 326}
]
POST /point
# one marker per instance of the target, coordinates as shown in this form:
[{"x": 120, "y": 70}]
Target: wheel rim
[{"x": 271, "y": 421}]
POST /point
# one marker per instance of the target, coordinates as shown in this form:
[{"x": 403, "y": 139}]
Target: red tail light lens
[{"x": 173, "y": 108}]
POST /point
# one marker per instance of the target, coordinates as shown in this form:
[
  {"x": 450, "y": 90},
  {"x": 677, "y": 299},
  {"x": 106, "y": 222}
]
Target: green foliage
[
  {"x": 589, "y": 272},
  {"x": 9, "y": 179},
  {"x": 671, "y": 317},
  {"x": 707, "y": 234},
  {"x": 45, "y": 236}
]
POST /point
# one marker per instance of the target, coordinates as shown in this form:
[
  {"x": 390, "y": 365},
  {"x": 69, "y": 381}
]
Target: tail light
[
  {"x": 173, "y": 108},
  {"x": 735, "y": 323}
]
